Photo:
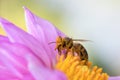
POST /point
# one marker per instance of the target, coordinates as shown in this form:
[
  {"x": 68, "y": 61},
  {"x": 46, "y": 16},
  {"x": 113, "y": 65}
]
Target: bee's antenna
[{"x": 51, "y": 42}]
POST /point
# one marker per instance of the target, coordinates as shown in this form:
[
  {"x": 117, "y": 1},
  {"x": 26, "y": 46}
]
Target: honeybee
[{"x": 68, "y": 44}]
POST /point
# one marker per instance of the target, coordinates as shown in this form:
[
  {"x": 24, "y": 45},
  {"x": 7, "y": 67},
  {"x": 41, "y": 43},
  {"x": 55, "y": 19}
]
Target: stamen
[{"x": 75, "y": 69}]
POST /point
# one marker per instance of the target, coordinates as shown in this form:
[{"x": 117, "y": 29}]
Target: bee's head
[{"x": 59, "y": 39}]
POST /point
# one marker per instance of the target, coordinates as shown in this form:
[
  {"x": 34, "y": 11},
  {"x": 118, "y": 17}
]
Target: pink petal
[
  {"x": 115, "y": 78},
  {"x": 43, "y": 30},
  {"x": 38, "y": 26},
  {"x": 42, "y": 73},
  {"x": 60, "y": 33},
  {"x": 8, "y": 75},
  {"x": 15, "y": 34},
  {"x": 12, "y": 61},
  {"x": 3, "y": 38}
]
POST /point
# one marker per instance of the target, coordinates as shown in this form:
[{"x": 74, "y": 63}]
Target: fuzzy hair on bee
[{"x": 68, "y": 44}]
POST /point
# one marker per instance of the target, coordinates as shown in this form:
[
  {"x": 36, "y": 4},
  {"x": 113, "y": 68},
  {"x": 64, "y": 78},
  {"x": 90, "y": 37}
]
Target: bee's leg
[
  {"x": 71, "y": 50},
  {"x": 56, "y": 47},
  {"x": 66, "y": 52},
  {"x": 59, "y": 49}
]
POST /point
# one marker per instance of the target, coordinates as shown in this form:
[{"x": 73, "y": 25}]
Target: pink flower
[{"x": 27, "y": 55}]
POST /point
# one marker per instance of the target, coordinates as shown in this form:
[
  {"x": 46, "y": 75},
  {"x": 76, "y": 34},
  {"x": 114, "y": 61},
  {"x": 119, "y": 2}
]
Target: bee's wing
[{"x": 81, "y": 40}]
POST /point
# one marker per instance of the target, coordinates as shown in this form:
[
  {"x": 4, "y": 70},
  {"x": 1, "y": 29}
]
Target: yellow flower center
[{"x": 75, "y": 69}]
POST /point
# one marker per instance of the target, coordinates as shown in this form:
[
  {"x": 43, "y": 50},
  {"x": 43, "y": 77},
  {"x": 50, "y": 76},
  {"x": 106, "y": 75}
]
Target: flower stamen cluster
[{"x": 75, "y": 69}]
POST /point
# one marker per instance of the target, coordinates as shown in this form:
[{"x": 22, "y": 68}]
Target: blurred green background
[
  {"x": 96, "y": 20},
  {"x": 13, "y": 11}
]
